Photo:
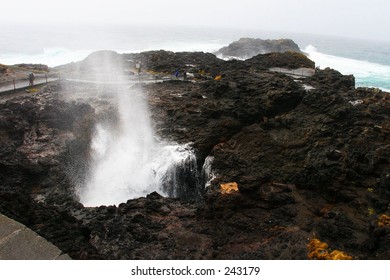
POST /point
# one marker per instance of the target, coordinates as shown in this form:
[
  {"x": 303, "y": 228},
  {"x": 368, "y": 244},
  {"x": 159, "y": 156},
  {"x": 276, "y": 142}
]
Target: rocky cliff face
[
  {"x": 39, "y": 134},
  {"x": 246, "y": 48},
  {"x": 284, "y": 160}
]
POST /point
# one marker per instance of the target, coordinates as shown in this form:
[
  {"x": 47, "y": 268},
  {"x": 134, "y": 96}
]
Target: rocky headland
[
  {"x": 290, "y": 162},
  {"x": 246, "y": 48}
]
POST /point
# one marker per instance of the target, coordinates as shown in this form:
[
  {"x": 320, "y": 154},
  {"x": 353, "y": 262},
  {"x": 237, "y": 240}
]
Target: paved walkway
[
  {"x": 299, "y": 72},
  {"x": 21, "y": 84},
  {"x": 124, "y": 82},
  {"x": 17, "y": 242}
]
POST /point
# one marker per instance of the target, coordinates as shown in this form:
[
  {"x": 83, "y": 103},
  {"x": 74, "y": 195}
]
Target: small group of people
[
  {"x": 184, "y": 74},
  {"x": 177, "y": 74}
]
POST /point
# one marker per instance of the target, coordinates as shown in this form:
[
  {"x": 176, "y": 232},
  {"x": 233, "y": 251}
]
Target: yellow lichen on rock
[
  {"x": 339, "y": 255},
  {"x": 384, "y": 221},
  {"x": 228, "y": 188},
  {"x": 319, "y": 251}
]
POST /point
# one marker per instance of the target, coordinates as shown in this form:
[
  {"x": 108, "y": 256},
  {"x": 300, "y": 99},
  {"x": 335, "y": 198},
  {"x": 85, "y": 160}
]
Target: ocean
[{"x": 368, "y": 61}]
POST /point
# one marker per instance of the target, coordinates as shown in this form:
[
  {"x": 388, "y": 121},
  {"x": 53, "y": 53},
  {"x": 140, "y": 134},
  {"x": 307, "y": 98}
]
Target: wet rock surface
[{"x": 306, "y": 163}]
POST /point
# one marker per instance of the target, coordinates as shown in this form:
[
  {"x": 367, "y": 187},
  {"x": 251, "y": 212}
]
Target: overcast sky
[{"x": 367, "y": 19}]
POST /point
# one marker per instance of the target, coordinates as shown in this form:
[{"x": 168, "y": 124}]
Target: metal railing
[{"x": 14, "y": 84}]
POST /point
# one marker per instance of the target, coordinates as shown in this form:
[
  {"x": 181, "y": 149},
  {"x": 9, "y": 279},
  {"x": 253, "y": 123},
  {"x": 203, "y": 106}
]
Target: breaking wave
[{"x": 367, "y": 74}]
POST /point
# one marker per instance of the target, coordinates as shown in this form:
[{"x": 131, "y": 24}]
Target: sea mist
[{"x": 127, "y": 160}]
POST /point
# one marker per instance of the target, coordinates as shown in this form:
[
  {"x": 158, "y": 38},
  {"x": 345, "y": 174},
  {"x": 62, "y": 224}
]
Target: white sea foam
[
  {"x": 126, "y": 159},
  {"x": 208, "y": 172},
  {"x": 366, "y": 73}
]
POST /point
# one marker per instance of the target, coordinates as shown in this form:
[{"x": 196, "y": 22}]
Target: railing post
[
  {"x": 13, "y": 80},
  {"x": 46, "y": 77}
]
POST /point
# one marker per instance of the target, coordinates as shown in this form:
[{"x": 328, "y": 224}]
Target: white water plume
[{"x": 127, "y": 161}]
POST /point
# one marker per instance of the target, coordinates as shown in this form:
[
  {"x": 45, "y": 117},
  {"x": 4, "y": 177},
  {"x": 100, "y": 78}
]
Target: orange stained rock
[
  {"x": 228, "y": 188},
  {"x": 339, "y": 255},
  {"x": 319, "y": 251},
  {"x": 384, "y": 220}
]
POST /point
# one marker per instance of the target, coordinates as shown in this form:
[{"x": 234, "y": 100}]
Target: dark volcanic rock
[
  {"x": 36, "y": 132},
  {"x": 217, "y": 110},
  {"x": 332, "y": 79},
  {"x": 168, "y": 62},
  {"x": 299, "y": 163},
  {"x": 248, "y": 47},
  {"x": 290, "y": 60}
]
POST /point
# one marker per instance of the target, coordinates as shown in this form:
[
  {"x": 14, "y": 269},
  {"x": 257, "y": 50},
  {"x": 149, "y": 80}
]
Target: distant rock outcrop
[
  {"x": 33, "y": 67},
  {"x": 21, "y": 71},
  {"x": 259, "y": 54},
  {"x": 248, "y": 47}
]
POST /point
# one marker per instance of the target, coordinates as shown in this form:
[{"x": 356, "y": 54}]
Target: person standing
[{"x": 31, "y": 78}]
